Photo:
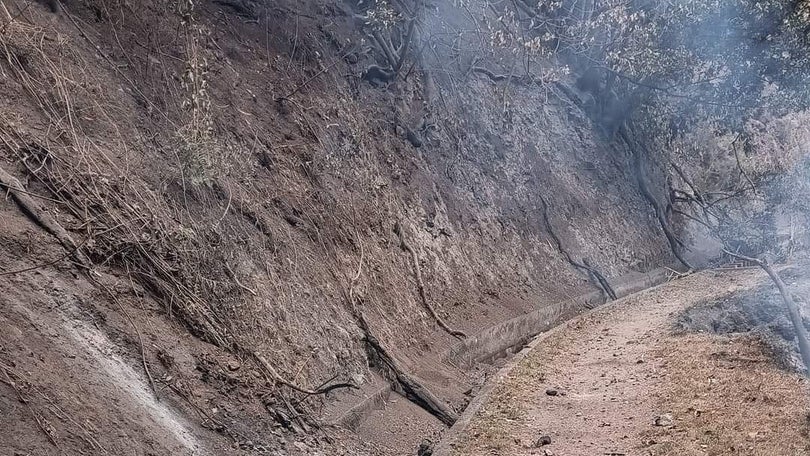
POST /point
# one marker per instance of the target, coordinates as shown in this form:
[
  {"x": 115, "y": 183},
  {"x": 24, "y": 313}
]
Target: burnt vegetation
[
  {"x": 240, "y": 160},
  {"x": 649, "y": 76}
]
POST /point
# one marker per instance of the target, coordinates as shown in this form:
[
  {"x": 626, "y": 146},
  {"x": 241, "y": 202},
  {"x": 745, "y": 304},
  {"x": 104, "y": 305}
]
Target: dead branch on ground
[
  {"x": 594, "y": 275},
  {"x": 42, "y": 218}
]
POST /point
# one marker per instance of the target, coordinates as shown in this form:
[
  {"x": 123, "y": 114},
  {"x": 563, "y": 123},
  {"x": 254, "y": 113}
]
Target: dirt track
[{"x": 618, "y": 369}]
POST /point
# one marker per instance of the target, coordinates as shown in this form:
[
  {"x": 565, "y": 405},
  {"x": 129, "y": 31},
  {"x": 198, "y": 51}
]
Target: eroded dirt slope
[{"x": 230, "y": 178}]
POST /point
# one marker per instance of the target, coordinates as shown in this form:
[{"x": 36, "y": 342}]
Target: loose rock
[
  {"x": 664, "y": 420},
  {"x": 425, "y": 448},
  {"x": 543, "y": 441}
]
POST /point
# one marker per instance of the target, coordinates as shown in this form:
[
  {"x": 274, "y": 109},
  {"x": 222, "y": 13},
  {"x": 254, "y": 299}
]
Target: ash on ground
[{"x": 759, "y": 311}]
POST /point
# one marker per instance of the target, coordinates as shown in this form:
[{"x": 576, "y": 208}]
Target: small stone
[
  {"x": 664, "y": 420},
  {"x": 542, "y": 441},
  {"x": 233, "y": 366},
  {"x": 552, "y": 392},
  {"x": 425, "y": 448}
]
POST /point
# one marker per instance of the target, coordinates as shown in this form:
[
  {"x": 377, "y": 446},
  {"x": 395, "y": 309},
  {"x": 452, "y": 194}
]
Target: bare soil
[
  {"x": 72, "y": 380},
  {"x": 628, "y": 384}
]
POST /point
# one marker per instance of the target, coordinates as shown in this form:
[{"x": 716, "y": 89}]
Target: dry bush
[
  {"x": 124, "y": 222},
  {"x": 195, "y": 236}
]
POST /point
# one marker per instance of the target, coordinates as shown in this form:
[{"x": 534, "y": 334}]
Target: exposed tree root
[
  {"x": 412, "y": 137},
  {"x": 394, "y": 55},
  {"x": 45, "y": 220},
  {"x": 239, "y": 7},
  {"x": 594, "y": 275},
  {"x": 280, "y": 380},
  {"x": 571, "y": 96},
  {"x": 401, "y": 382},
  {"x": 488, "y": 73},
  {"x": 511, "y": 78},
  {"x": 421, "y": 286},
  {"x": 40, "y": 217},
  {"x": 603, "y": 283},
  {"x": 660, "y": 213},
  {"x": 376, "y": 74}
]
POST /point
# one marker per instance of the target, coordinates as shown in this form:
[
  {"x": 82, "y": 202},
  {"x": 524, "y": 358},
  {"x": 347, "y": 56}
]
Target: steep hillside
[{"x": 209, "y": 210}]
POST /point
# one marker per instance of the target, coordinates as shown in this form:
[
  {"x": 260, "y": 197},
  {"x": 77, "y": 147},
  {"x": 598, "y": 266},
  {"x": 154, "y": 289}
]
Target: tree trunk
[
  {"x": 790, "y": 305},
  {"x": 793, "y": 313}
]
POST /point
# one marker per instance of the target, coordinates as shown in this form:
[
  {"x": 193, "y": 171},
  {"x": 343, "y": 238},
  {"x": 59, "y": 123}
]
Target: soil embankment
[{"x": 227, "y": 177}]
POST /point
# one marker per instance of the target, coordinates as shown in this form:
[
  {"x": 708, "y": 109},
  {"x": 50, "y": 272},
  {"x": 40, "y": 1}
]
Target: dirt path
[{"x": 597, "y": 387}]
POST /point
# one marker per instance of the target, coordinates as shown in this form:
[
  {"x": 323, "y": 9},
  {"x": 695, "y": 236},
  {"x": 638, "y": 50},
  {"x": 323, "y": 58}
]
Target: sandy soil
[{"x": 626, "y": 384}]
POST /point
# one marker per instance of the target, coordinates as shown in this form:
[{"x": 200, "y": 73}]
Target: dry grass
[
  {"x": 728, "y": 398},
  {"x": 159, "y": 190},
  {"x": 124, "y": 223}
]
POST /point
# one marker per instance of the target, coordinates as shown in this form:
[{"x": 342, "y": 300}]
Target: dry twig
[{"x": 279, "y": 379}]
